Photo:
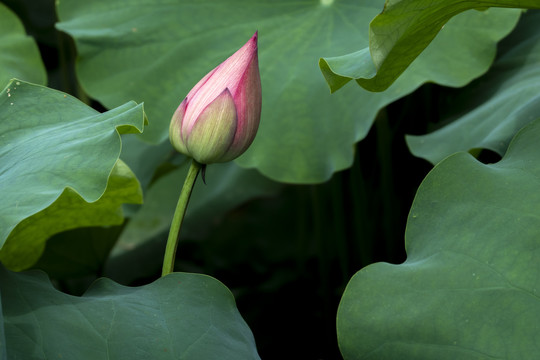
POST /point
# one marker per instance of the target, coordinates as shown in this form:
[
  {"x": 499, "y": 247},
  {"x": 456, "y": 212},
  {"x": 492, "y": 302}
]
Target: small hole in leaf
[{"x": 485, "y": 156}]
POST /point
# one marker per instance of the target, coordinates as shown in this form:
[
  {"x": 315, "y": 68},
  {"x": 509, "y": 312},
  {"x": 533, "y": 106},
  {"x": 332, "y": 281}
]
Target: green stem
[{"x": 181, "y": 206}]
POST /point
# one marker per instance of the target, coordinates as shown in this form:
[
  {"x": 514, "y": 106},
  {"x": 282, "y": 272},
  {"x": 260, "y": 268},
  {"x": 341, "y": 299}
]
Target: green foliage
[
  {"x": 469, "y": 287},
  {"x": 60, "y": 169},
  {"x": 19, "y": 54},
  {"x": 226, "y": 189},
  {"x": 399, "y": 35},
  {"x": 184, "y": 316},
  {"x": 78, "y": 253},
  {"x": 75, "y": 163},
  {"x": 495, "y": 107},
  {"x": 26, "y": 242},
  {"x": 130, "y": 50}
]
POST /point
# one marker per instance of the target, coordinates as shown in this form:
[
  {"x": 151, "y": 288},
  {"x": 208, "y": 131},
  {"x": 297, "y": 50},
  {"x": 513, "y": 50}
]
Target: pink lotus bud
[{"x": 219, "y": 118}]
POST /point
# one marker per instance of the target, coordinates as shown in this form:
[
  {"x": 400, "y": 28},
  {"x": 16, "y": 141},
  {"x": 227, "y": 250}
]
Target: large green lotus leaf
[
  {"x": 19, "y": 54},
  {"x": 26, "y": 242},
  {"x": 402, "y": 31},
  {"x": 470, "y": 286},
  {"x": 52, "y": 146},
  {"x": 180, "y": 316},
  {"x": 227, "y": 186},
  {"x": 156, "y": 51},
  {"x": 497, "y": 105}
]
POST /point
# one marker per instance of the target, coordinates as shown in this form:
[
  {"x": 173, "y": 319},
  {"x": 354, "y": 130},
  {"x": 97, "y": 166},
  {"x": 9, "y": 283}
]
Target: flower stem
[{"x": 181, "y": 206}]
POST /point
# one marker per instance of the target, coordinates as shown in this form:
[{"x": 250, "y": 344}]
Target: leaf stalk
[{"x": 178, "y": 218}]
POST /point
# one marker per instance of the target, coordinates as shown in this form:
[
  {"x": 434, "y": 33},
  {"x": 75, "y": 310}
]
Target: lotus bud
[{"x": 219, "y": 118}]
